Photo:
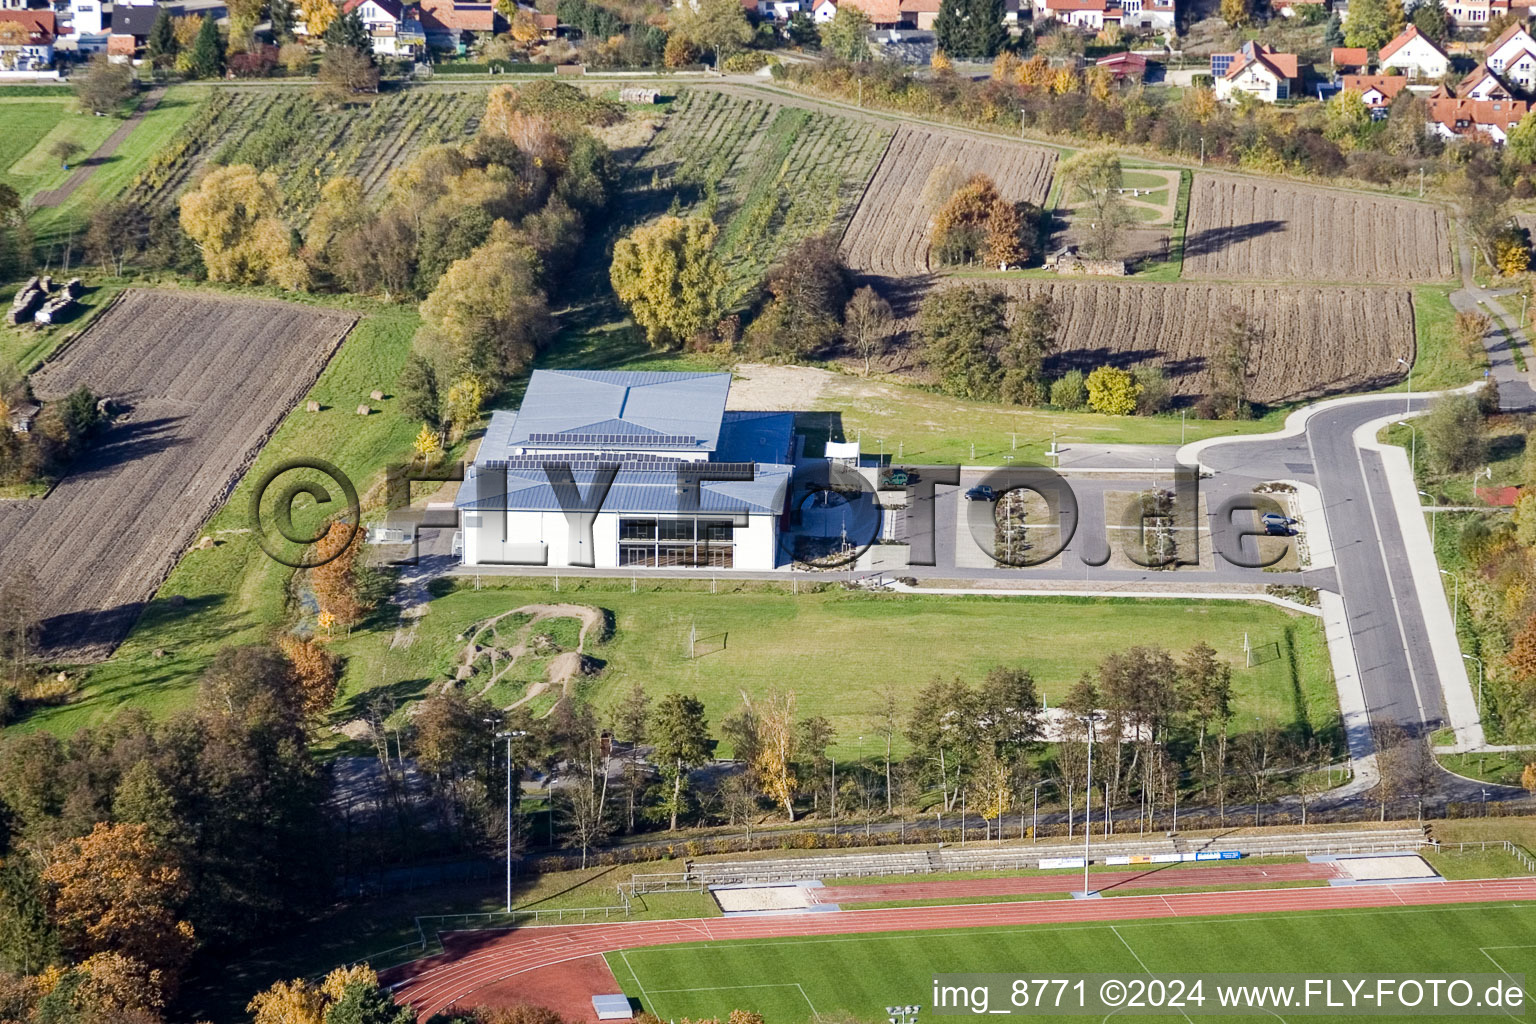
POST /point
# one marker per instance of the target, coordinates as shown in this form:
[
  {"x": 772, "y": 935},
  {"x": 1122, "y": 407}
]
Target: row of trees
[{"x": 1087, "y": 107}]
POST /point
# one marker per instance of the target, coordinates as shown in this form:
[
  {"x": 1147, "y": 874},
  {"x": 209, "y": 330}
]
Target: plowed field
[
  {"x": 889, "y": 231},
  {"x": 205, "y": 380},
  {"x": 1316, "y": 340},
  {"x": 1245, "y": 228}
]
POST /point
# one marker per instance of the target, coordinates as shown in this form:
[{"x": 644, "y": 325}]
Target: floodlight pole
[{"x": 1087, "y": 804}]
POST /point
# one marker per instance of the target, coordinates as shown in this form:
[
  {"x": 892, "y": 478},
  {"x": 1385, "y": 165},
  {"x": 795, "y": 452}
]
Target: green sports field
[{"x": 854, "y": 977}]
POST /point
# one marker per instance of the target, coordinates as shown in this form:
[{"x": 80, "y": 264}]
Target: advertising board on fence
[{"x": 1047, "y": 863}]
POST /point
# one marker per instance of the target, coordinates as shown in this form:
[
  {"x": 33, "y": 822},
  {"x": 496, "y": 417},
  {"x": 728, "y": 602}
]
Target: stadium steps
[{"x": 1018, "y": 857}]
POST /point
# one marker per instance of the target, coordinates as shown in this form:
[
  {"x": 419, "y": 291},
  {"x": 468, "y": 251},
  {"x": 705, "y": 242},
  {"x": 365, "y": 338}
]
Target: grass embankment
[
  {"x": 845, "y": 976},
  {"x": 1439, "y": 361},
  {"x": 838, "y": 650},
  {"x": 233, "y": 593}
]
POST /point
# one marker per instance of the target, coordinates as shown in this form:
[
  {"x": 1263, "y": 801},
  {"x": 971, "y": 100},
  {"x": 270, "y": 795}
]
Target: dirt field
[
  {"x": 205, "y": 380},
  {"x": 1317, "y": 340},
  {"x": 1244, "y": 228},
  {"x": 888, "y": 234}
]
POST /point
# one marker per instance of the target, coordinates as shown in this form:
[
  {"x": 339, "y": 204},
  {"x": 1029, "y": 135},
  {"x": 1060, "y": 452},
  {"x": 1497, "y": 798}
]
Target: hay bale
[
  {"x": 377, "y": 396},
  {"x": 311, "y": 406},
  {"x": 364, "y": 410},
  {"x": 205, "y": 544}
]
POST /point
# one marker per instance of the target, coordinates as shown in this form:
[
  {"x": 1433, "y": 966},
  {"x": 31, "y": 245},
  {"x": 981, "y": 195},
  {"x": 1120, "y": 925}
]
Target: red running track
[
  {"x": 479, "y": 959},
  {"x": 1152, "y": 876}
]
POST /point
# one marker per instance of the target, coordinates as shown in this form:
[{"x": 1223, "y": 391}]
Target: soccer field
[{"x": 843, "y": 977}]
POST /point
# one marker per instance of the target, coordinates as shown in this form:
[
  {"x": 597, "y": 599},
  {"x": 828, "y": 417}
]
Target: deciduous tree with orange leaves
[{"x": 117, "y": 891}]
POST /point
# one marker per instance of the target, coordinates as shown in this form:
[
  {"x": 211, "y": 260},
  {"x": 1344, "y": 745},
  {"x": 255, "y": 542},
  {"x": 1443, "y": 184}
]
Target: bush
[
  {"x": 1112, "y": 391},
  {"x": 1156, "y": 393},
  {"x": 1069, "y": 392},
  {"x": 745, "y": 62}
]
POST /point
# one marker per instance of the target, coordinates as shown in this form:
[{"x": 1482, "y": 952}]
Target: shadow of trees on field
[{"x": 1214, "y": 240}]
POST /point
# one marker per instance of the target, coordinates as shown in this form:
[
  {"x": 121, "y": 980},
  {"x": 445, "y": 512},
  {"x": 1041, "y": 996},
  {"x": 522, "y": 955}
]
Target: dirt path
[
  {"x": 57, "y": 196},
  {"x": 562, "y": 668},
  {"x": 474, "y": 961}
]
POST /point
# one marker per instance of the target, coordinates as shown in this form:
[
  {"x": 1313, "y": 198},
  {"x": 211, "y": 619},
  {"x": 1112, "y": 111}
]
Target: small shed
[
  {"x": 612, "y": 1007},
  {"x": 637, "y": 95},
  {"x": 22, "y": 417}
]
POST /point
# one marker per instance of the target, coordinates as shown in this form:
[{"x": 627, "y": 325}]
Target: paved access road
[{"x": 1385, "y": 619}]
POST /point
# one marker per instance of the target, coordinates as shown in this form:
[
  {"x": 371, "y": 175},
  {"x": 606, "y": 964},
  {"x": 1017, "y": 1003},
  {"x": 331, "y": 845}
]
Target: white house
[
  {"x": 86, "y": 18},
  {"x": 1450, "y": 117},
  {"x": 394, "y": 27},
  {"x": 1413, "y": 54},
  {"x": 26, "y": 40},
  {"x": 823, "y": 11},
  {"x": 1378, "y": 91},
  {"x": 1512, "y": 57},
  {"x": 1482, "y": 84},
  {"x": 687, "y": 483},
  {"x": 1256, "y": 70}
]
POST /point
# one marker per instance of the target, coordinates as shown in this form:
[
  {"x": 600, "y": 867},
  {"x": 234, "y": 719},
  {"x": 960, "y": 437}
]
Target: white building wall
[{"x": 531, "y": 534}]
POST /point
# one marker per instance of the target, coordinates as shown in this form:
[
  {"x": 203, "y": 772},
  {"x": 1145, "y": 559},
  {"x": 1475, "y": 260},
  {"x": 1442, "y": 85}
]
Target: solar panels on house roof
[{"x": 615, "y": 440}]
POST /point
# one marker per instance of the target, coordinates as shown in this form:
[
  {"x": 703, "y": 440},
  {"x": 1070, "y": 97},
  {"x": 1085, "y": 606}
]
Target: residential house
[
  {"x": 1471, "y": 14},
  {"x": 130, "y": 27},
  {"x": 1256, "y": 70},
  {"x": 920, "y": 14},
  {"x": 1350, "y": 60},
  {"x": 26, "y": 39},
  {"x": 394, "y": 27},
  {"x": 86, "y": 17},
  {"x": 778, "y": 10},
  {"x": 881, "y": 13},
  {"x": 1378, "y": 91},
  {"x": 453, "y": 24},
  {"x": 1479, "y": 84},
  {"x": 1093, "y": 15},
  {"x": 1452, "y": 118},
  {"x": 694, "y": 485},
  {"x": 1291, "y": 8},
  {"x": 823, "y": 11},
  {"x": 1512, "y": 57},
  {"x": 1413, "y": 54}
]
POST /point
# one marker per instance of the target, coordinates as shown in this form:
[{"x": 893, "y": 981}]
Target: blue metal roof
[
  {"x": 605, "y": 409},
  {"x": 756, "y": 437},
  {"x": 639, "y": 487}
]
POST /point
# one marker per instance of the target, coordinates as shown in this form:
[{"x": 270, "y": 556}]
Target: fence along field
[
  {"x": 307, "y": 143},
  {"x": 1245, "y": 228},
  {"x": 769, "y": 174},
  {"x": 1314, "y": 340},
  {"x": 205, "y": 380},
  {"x": 888, "y": 235}
]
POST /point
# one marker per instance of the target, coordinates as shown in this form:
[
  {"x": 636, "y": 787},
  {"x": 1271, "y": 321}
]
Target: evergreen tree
[
  {"x": 162, "y": 46},
  {"x": 988, "y": 35},
  {"x": 348, "y": 31},
  {"x": 949, "y": 26},
  {"x": 208, "y": 51},
  {"x": 282, "y": 20}
]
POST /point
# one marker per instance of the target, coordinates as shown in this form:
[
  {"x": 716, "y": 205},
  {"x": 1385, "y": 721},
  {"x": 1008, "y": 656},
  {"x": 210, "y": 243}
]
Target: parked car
[
  {"x": 981, "y": 492},
  {"x": 1275, "y": 524}
]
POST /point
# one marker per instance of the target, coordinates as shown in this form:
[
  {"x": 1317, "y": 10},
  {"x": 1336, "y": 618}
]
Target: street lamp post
[
  {"x": 1413, "y": 447},
  {"x": 1473, "y": 657},
  {"x": 1408, "y": 397},
  {"x": 1434, "y": 518},
  {"x": 509, "y": 737}
]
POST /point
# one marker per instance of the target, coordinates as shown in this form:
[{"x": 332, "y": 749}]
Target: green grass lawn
[
  {"x": 1440, "y": 362},
  {"x": 854, "y": 977},
  {"x": 115, "y": 174},
  {"x": 233, "y": 593},
  {"x": 837, "y": 649}
]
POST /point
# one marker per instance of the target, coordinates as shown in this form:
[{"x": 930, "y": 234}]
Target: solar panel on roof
[{"x": 626, "y": 440}]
